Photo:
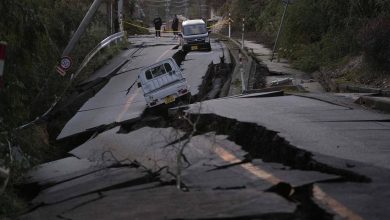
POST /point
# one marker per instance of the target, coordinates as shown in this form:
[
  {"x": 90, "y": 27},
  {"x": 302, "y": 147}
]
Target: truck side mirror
[
  {"x": 139, "y": 85},
  {"x": 209, "y": 31}
]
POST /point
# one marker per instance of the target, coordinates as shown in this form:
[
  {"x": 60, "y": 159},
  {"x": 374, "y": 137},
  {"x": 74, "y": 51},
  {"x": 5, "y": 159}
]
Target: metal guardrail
[
  {"x": 5, "y": 172},
  {"x": 98, "y": 47},
  {"x": 4, "y": 177},
  {"x": 86, "y": 60},
  {"x": 249, "y": 69}
]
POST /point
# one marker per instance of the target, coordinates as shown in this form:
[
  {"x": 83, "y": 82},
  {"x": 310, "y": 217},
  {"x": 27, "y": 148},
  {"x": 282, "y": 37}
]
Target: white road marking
[{"x": 318, "y": 193}]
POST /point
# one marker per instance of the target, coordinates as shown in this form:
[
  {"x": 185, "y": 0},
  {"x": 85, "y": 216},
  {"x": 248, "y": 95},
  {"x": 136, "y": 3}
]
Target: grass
[{"x": 237, "y": 83}]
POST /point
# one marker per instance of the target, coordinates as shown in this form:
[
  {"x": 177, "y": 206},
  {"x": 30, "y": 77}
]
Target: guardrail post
[
  {"x": 4, "y": 174},
  {"x": 98, "y": 47},
  {"x": 241, "y": 72},
  {"x": 3, "y": 46}
]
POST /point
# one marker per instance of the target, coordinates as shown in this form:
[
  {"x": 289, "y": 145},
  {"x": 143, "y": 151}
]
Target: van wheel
[
  {"x": 184, "y": 49},
  {"x": 208, "y": 47}
]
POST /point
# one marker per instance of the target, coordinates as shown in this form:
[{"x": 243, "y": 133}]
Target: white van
[
  {"x": 162, "y": 83},
  {"x": 195, "y": 35}
]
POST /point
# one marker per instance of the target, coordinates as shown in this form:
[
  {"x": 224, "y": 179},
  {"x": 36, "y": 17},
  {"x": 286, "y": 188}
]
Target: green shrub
[
  {"x": 308, "y": 57},
  {"x": 375, "y": 41}
]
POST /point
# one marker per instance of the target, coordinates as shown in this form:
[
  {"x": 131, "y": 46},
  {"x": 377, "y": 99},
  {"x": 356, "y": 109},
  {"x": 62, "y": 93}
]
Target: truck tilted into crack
[{"x": 163, "y": 83}]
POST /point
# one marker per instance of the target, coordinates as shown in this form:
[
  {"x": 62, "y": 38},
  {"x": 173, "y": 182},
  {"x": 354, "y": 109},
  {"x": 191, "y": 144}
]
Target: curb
[
  {"x": 248, "y": 67},
  {"x": 377, "y": 103},
  {"x": 380, "y": 102},
  {"x": 358, "y": 89}
]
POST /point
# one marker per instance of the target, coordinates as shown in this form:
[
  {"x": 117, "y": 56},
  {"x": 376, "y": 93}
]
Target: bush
[
  {"x": 308, "y": 57},
  {"x": 374, "y": 38}
]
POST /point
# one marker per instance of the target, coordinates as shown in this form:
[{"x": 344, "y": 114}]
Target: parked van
[
  {"x": 162, "y": 83},
  {"x": 195, "y": 35}
]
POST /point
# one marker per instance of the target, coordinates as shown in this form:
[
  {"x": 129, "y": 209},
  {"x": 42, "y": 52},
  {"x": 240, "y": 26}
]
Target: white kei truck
[{"x": 163, "y": 83}]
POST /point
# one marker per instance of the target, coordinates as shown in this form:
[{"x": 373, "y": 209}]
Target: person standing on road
[
  {"x": 175, "y": 26},
  {"x": 157, "y": 25}
]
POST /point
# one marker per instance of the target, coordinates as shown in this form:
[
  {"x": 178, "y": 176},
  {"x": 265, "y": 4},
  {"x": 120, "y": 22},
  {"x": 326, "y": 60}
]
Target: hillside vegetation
[
  {"x": 36, "y": 33},
  {"x": 321, "y": 33}
]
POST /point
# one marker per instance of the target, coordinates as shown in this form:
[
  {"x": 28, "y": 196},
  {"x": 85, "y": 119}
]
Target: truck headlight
[{"x": 207, "y": 39}]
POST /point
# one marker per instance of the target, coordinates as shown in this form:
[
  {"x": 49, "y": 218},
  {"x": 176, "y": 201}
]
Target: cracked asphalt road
[{"x": 252, "y": 157}]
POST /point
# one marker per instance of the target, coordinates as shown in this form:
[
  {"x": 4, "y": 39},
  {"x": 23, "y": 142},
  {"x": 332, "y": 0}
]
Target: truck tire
[{"x": 208, "y": 47}]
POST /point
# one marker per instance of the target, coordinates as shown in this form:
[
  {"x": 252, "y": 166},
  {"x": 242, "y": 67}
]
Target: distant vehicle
[
  {"x": 195, "y": 35},
  {"x": 163, "y": 83}
]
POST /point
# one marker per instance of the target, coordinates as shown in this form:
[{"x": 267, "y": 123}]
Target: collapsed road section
[
  {"x": 232, "y": 165},
  {"x": 115, "y": 103},
  {"x": 257, "y": 156},
  {"x": 242, "y": 170}
]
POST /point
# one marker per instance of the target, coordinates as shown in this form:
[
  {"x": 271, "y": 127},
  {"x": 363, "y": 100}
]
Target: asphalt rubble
[{"x": 278, "y": 74}]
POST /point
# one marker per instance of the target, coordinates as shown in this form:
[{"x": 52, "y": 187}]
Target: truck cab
[
  {"x": 163, "y": 83},
  {"x": 195, "y": 35}
]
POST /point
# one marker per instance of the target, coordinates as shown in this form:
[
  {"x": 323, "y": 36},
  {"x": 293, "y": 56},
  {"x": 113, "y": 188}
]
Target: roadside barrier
[
  {"x": 98, "y": 47},
  {"x": 5, "y": 172},
  {"x": 3, "y": 46},
  {"x": 101, "y": 45},
  {"x": 86, "y": 60}
]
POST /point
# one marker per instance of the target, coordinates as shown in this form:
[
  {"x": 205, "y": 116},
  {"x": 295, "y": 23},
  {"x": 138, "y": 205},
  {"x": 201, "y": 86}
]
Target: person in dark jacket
[
  {"x": 175, "y": 26},
  {"x": 157, "y": 25}
]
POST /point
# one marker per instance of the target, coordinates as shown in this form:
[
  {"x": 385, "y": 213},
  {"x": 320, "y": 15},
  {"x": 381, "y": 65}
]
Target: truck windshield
[{"x": 194, "y": 29}]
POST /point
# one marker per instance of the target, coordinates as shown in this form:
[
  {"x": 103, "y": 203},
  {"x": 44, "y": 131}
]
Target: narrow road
[
  {"x": 112, "y": 105},
  {"x": 257, "y": 156}
]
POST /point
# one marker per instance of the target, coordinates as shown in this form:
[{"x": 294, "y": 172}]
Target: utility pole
[
  {"x": 230, "y": 26},
  {"x": 200, "y": 8},
  {"x": 120, "y": 15},
  {"x": 82, "y": 27},
  {"x": 166, "y": 11},
  {"x": 186, "y": 9},
  {"x": 243, "y": 31},
  {"x": 108, "y": 12},
  {"x": 112, "y": 17},
  {"x": 286, "y": 2}
]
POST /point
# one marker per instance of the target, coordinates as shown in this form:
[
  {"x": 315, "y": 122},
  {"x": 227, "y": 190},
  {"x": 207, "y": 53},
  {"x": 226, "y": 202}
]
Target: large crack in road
[
  {"x": 224, "y": 157},
  {"x": 261, "y": 143}
]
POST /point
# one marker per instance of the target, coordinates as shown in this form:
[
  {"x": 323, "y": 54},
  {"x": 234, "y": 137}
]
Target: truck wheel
[
  {"x": 208, "y": 47},
  {"x": 184, "y": 48}
]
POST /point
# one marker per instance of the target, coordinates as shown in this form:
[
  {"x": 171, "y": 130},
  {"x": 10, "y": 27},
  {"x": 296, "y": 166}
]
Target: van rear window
[
  {"x": 148, "y": 75},
  {"x": 168, "y": 67},
  {"x": 158, "y": 71}
]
